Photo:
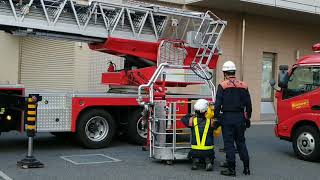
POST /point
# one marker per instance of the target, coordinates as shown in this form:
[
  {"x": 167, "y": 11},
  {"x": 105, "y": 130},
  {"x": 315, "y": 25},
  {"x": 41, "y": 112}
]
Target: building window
[{"x": 268, "y": 62}]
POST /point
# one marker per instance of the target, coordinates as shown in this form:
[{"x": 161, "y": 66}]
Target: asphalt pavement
[{"x": 271, "y": 158}]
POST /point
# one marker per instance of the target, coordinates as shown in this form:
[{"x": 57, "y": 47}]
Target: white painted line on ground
[
  {"x": 263, "y": 123},
  {"x": 4, "y": 176},
  {"x": 93, "y": 162},
  {"x": 69, "y": 160},
  {"x": 99, "y": 162}
]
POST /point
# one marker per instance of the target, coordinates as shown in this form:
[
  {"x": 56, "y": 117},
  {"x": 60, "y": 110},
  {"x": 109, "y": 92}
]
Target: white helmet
[
  {"x": 229, "y": 66},
  {"x": 201, "y": 105}
]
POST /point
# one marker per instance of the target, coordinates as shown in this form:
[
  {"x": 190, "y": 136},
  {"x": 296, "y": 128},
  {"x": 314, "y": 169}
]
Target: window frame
[
  {"x": 272, "y": 56},
  {"x": 284, "y": 96}
]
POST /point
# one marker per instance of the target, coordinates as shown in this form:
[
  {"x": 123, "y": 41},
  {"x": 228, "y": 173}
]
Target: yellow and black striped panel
[
  {"x": 31, "y": 113},
  {"x": 31, "y": 127}
]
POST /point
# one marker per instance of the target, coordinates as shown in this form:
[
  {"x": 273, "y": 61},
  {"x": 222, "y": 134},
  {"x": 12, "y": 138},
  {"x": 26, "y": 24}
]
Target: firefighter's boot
[
  {"x": 195, "y": 162},
  {"x": 228, "y": 172},
  {"x": 246, "y": 168},
  {"x": 224, "y": 164},
  {"x": 208, "y": 162}
]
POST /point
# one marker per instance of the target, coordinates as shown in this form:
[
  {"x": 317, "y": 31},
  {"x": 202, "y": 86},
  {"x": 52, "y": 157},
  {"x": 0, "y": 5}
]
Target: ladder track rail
[{"x": 96, "y": 21}]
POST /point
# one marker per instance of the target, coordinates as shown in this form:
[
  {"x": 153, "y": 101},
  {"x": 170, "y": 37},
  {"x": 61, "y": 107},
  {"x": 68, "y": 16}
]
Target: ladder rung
[
  {"x": 207, "y": 44},
  {"x": 212, "y": 33},
  {"x": 203, "y": 55}
]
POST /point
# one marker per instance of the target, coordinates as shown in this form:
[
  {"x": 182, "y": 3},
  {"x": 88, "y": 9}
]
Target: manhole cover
[{"x": 89, "y": 159}]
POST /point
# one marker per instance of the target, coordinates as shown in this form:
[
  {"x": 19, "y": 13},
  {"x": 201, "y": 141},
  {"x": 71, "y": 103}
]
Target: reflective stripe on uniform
[
  {"x": 202, "y": 148},
  {"x": 201, "y": 145}
]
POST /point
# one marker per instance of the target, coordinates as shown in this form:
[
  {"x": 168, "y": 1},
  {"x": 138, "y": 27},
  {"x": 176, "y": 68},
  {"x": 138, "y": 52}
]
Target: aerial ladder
[{"x": 163, "y": 47}]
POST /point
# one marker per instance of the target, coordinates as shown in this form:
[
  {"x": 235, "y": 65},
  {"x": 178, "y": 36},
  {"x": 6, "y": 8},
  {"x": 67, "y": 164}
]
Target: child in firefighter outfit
[{"x": 202, "y": 134}]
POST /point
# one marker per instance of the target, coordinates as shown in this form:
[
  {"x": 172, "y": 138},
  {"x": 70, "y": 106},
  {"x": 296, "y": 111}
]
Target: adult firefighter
[
  {"x": 233, "y": 100},
  {"x": 202, "y": 136}
]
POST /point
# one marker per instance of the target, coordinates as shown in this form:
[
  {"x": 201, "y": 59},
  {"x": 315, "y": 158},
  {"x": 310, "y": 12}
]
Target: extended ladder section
[
  {"x": 96, "y": 21},
  {"x": 209, "y": 40}
]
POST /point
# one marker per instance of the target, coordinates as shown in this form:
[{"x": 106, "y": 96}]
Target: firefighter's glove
[{"x": 248, "y": 123}]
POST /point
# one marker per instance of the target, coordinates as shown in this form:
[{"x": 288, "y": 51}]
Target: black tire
[
  {"x": 86, "y": 124},
  {"x": 133, "y": 134},
  {"x": 302, "y": 138}
]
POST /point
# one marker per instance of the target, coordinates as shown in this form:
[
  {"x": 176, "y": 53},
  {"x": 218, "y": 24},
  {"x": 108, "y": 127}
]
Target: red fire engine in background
[{"x": 298, "y": 105}]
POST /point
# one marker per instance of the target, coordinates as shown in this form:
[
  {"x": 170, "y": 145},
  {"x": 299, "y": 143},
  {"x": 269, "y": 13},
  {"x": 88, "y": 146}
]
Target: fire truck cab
[{"x": 298, "y": 105}]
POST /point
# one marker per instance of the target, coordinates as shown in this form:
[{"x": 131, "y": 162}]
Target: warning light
[
  {"x": 316, "y": 48},
  {"x": 9, "y": 117}
]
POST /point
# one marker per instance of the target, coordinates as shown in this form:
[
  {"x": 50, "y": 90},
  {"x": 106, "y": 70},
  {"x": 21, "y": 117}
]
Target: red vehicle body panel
[
  {"x": 299, "y": 108},
  {"x": 137, "y": 77},
  {"x": 81, "y": 103},
  {"x": 145, "y": 50}
]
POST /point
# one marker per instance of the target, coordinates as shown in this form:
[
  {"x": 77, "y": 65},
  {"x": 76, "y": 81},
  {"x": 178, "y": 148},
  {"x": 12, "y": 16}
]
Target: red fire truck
[
  {"x": 298, "y": 106},
  {"x": 145, "y": 35}
]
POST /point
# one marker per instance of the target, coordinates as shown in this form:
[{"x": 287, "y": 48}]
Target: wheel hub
[
  {"x": 306, "y": 143},
  {"x": 142, "y": 128},
  {"x": 93, "y": 128},
  {"x": 97, "y": 128}
]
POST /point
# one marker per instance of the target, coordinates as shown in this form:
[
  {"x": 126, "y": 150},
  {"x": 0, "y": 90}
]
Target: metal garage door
[
  {"x": 53, "y": 65},
  {"x": 47, "y": 64}
]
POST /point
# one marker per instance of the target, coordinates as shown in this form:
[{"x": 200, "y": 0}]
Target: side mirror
[
  {"x": 283, "y": 76},
  {"x": 272, "y": 83},
  {"x": 283, "y": 67}
]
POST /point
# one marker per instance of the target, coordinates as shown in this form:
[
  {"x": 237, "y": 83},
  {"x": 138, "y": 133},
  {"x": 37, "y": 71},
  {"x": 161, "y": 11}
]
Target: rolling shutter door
[{"x": 47, "y": 64}]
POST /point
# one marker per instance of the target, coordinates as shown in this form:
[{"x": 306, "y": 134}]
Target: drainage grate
[{"x": 89, "y": 159}]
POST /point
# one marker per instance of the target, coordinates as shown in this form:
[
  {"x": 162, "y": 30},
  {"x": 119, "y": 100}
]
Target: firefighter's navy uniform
[
  {"x": 202, "y": 139},
  {"x": 233, "y": 100}
]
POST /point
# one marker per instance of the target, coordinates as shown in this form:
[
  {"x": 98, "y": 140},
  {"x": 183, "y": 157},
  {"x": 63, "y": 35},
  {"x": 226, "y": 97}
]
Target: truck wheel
[
  {"x": 306, "y": 143},
  {"x": 95, "y": 129},
  {"x": 137, "y": 133}
]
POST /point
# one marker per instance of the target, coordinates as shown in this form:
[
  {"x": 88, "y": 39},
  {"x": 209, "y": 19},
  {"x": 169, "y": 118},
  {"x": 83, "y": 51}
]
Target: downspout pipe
[{"x": 242, "y": 46}]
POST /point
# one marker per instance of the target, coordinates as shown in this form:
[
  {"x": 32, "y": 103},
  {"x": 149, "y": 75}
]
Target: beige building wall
[
  {"x": 9, "y": 50},
  {"x": 262, "y": 34}
]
